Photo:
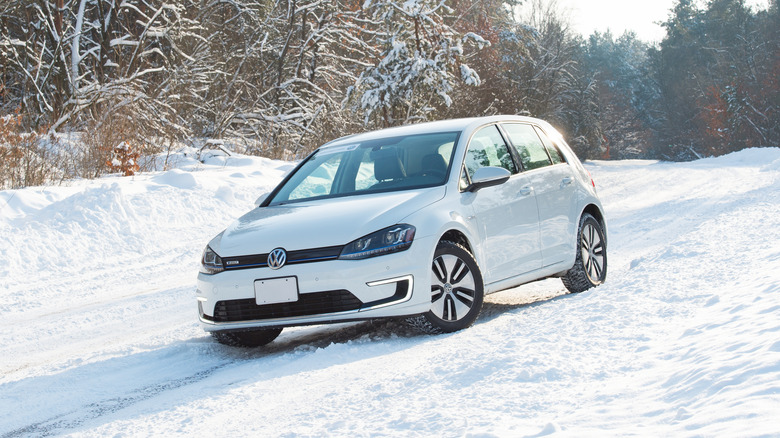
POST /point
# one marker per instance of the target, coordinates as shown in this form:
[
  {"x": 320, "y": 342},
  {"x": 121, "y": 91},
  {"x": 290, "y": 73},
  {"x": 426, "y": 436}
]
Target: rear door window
[{"x": 533, "y": 154}]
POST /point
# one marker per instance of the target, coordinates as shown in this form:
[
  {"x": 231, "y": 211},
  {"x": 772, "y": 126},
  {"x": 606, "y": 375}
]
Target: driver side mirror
[{"x": 488, "y": 177}]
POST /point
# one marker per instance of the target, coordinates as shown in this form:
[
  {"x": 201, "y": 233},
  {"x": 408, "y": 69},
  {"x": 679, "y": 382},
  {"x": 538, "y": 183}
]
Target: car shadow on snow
[{"x": 527, "y": 295}]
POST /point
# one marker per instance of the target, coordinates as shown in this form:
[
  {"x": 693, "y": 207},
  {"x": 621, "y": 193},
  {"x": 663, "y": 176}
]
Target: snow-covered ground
[{"x": 98, "y": 331}]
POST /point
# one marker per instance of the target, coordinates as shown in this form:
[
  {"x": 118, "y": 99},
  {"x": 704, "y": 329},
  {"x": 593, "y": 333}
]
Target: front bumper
[{"x": 328, "y": 291}]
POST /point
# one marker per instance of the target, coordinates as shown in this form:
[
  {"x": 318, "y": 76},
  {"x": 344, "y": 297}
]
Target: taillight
[{"x": 591, "y": 179}]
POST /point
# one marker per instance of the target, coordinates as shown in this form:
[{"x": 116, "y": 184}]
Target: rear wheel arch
[{"x": 595, "y": 211}]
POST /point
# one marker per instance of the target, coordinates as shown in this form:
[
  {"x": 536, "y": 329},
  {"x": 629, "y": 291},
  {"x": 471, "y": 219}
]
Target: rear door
[{"x": 554, "y": 185}]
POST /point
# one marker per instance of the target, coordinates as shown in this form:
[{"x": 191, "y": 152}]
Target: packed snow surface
[{"x": 100, "y": 334}]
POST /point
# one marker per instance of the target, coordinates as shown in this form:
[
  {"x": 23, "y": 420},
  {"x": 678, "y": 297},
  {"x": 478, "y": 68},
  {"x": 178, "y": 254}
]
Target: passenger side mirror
[
  {"x": 260, "y": 199},
  {"x": 488, "y": 177}
]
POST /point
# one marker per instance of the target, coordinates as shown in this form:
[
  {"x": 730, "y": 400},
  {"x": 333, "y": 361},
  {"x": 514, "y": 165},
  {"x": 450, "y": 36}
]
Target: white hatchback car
[{"x": 417, "y": 220}]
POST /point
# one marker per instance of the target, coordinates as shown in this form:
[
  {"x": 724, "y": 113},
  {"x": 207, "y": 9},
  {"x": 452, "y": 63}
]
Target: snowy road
[{"x": 99, "y": 333}]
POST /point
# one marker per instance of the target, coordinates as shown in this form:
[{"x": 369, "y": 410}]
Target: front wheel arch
[{"x": 456, "y": 236}]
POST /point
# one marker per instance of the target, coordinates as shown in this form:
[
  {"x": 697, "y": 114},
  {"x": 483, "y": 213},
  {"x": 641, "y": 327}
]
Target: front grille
[
  {"x": 307, "y": 304},
  {"x": 293, "y": 257}
]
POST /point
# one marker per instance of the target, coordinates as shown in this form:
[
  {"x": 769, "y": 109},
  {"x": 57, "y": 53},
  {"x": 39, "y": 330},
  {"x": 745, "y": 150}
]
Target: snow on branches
[
  {"x": 421, "y": 58},
  {"x": 78, "y": 60}
]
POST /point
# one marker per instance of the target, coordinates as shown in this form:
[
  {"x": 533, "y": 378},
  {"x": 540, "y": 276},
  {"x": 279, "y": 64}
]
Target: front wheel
[
  {"x": 590, "y": 266},
  {"x": 250, "y": 338},
  {"x": 456, "y": 288}
]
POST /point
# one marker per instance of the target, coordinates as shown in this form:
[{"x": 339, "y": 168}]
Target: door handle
[
  {"x": 525, "y": 191},
  {"x": 566, "y": 181}
]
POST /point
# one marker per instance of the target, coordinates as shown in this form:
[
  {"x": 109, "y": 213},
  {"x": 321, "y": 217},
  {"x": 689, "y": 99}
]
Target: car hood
[{"x": 321, "y": 223}]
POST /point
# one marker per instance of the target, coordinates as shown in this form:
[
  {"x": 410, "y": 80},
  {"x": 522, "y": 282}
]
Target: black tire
[
  {"x": 590, "y": 266},
  {"x": 247, "y": 339},
  {"x": 457, "y": 291}
]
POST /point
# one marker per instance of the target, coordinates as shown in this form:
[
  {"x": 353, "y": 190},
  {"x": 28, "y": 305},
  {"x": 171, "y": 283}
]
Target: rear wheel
[
  {"x": 456, "y": 288},
  {"x": 250, "y": 338},
  {"x": 590, "y": 266}
]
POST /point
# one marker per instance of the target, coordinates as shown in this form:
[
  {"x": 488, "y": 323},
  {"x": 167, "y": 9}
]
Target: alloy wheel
[
  {"x": 452, "y": 288},
  {"x": 592, "y": 249}
]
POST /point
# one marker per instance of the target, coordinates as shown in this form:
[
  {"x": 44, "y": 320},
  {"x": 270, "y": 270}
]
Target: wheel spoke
[
  {"x": 595, "y": 241},
  {"x": 592, "y": 236},
  {"x": 451, "y": 264},
  {"x": 596, "y": 269},
  {"x": 436, "y": 292},
  {"x": 590, "y": 269},
  {"x": 459, "y": 271},
  {"x": 465, "y": 281},
  {"x": 437, "y": 306},
  {"x": 461, "y": 309},
  {"x": 465, "y": 296},
  {"x": 449, "y": 309},
  {"x": 587, "y": 237},
  {"x": 594, "y": 266},
  {"x": 437, "y": 283},
  {"x": 440, "y": 270}
]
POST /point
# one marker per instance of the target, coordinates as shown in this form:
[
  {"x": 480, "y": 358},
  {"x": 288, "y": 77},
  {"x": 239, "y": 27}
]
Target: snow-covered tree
[
  {"x": 282, "y": 71},
  {"x": 421, "y": 59},
  {"x": 82, "y": 59}
]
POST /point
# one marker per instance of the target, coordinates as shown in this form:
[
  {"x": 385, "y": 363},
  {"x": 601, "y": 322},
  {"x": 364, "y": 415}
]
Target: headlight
[
  {"x": 211, "y": 263},
  {"x": 391, "y": 239}
]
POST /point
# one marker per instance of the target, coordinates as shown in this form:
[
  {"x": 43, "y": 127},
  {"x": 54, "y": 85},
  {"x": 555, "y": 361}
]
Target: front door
[{"x": 507, "y": 214}]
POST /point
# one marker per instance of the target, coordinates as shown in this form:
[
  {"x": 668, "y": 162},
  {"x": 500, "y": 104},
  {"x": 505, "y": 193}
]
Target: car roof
[{"x": 451, "y": 125}]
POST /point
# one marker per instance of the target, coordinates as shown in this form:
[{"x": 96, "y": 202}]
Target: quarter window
[
  {"x": 555, "y": 154},
  {"x": 528, "y": 144}
]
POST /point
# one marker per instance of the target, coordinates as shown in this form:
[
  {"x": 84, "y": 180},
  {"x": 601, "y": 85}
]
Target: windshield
[{"x": 379, "y": 165}]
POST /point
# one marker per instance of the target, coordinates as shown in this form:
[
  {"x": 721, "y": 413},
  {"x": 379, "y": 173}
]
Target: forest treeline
[{"x": 279, "y": 77}]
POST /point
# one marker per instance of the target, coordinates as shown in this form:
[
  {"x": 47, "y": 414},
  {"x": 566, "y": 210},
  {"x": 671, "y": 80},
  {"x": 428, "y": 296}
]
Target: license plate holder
[{"x": 276, "y": 290}]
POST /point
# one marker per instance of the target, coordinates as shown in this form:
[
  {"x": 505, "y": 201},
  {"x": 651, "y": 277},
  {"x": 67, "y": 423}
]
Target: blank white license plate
[{"x": 276, "y": 290}]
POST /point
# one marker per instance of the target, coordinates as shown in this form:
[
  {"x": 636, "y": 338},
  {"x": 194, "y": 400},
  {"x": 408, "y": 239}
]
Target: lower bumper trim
[
  {"x": 308, "y": 304},
  {"x": 336, "y": 303}
]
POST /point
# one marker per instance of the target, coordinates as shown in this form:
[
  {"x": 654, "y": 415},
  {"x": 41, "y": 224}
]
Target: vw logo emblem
[{"x": 277, "y": 258}]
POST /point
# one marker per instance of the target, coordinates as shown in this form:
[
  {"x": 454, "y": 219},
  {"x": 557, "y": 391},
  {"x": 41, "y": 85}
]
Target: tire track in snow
[{"x": 58, "y": 424}]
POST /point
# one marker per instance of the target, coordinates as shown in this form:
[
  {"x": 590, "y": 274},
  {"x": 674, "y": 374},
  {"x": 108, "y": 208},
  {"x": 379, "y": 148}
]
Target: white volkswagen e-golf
[{"x": 416, "y": 220}]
